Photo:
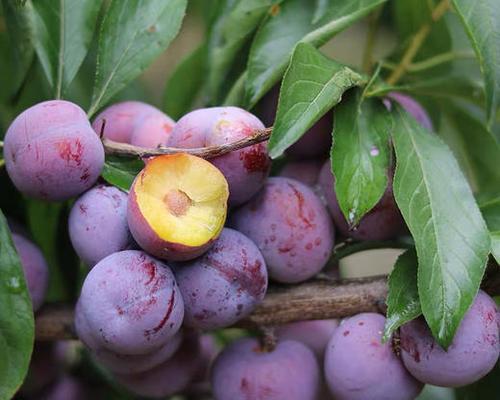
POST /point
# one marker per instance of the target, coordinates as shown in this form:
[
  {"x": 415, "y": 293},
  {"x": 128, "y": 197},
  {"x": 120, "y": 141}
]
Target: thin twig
[
  {"x": 417, "y": 42},
  {"x": 129, "y": 150}
]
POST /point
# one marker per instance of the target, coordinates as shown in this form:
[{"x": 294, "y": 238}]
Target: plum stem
[
  {"x": 125, "y": 149},
  {"x": 417, "y": 41}
]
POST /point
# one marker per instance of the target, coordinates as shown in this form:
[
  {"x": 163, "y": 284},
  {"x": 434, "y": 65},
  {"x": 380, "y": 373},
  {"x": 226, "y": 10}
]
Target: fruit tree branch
[
  {"x": 125, "y": 149},
  {"x": 417, "y": 41}
]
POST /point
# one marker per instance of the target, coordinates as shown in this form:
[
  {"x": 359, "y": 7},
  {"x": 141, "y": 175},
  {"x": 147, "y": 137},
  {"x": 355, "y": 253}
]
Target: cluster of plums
[{"x": 167, "y": 262}]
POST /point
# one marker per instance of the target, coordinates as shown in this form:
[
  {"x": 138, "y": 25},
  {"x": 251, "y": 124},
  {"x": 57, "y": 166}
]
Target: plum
[
  {"x": 290, "y": 226},
  {"x": 129, "y": 304},
  {"x": 316, "y": 142},
  {"x": 45, "y": 367},
  {"x": 170, "y": 377},
  {"x": 36, "y": 271},
  {"x": 413, "y": 108},
  {"x": 314, "y": 334},
  {"x": 98, "y": 224},
  {"x": 177, "y": 206},
  {"x": 225, "y": 284},
  {"x": 306, "y": 171},
  {"x": 67, "y": 387},
  {"x": 382, "y": 222},
  {"x": 51, "y": 151},
  {"x": 121, "y": 119},
  {"x": 245, "y": 169},
  {"x": 131, "y": 364},
  {"x": 359, "y": 366},
  {"x": 152, "y": 130},
  {"x": 244, "y": 371},
  {"x": 472, "y": 354}
]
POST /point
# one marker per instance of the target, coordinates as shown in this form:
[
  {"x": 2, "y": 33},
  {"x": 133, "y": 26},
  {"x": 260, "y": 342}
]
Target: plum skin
[
  {"x": 306, "y": 171},
  {"x": 134, "y": 364},
  {"x": 225, "y": 284},
  {"x": 290, "y": 226},
  {"x": 152, "y": 130},
  {"x": 473, "y": 353},
  {"x": 359, "y": 366},
  {"x": 35, "y": 268},
  {"x": 51, "y": 151},
  {"x": 121, "y": 119},
  {"x": 172, "y": 376},
  {"x": 245, "y": 371},
  {"x": 129, "y": 304},
  {"x": 315, "y": 334},
  {"x": 413, "y": 108},
  {"x": 382, "y": 222},
  {"x": 245, "y": 169},
  {"x": 98, "y": 225}
]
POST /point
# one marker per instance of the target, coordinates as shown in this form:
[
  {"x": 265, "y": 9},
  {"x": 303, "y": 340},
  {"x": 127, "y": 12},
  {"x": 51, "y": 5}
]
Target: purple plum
[
  {"x": 67, "y": 388},
  {"x": 358, "y": 366},
  {"x": 98, "y": 224},
  {"x": 225, "y": 284},
  {"x": 306, "y": 171},
  {"x": 36, "y": 271},
  {"x": 121, "y": 118},
  {"x": 246, "y": 169},
  {"x": 244, "y": 370},
  {"x": 51, "y": 151},
  {"x": 129, "y": 304},
  {"x": 382, "y": 222},
  {"x": 290, "y": 226},
  {"x": 170, "y": 377},
  {"x": 152, "y": 130},
  {"x": 314, "y": 334},
  {"x": 472, "y": 354},
  {"x": 413, "y": 107}
]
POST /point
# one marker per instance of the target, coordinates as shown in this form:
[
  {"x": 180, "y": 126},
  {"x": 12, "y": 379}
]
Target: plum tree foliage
[{"x": 398, "y": 144}]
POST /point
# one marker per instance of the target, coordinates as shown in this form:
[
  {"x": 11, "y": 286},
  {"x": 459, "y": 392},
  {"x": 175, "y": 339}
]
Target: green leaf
[
  {"x": 43, "y": 220},
  {"x": 480, "y": 19},
  {"x": 133, "y": 34},
  {"x": 292, "y": 22},
  {"x": 450, "y": 235},
  {"x": 403, "y": 304},
  {"x": 17, "y": 325},
  {"x": 478, "y": 148},
  {"x": 360, "y": 155},
  {"x": 312, "y": 85},
  {"x": 495, "y": 245},
  {"x": 185, "y": 83},
  {"x": 229, "y": 36},
  {"x": 63, "y": 30},
  {"x": 121, "y": 172},
  {"x": 19, "y": 24}
]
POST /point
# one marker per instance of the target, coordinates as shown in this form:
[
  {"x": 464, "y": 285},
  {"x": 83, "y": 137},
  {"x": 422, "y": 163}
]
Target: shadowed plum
[
  {"x": 36, "y": 271},
  {"x": 382, "y": 222},
  {"x": 67, "y": 388},
  {"x": 413, "y": 108},
  {"x": 132, "y": 364},
  {"x": 306, "y": 171},
  {"x": 472, "y": 354},
  {"x": 45, "y": 367},
  {"x": 152, "y": 130},
  {"x": 98, "y": 224},
  {"x": 121, "y": 119},
  {"x": 177, "y": 206},
  {"x": 316, "y": 142},
  {"x": 290, "y": 226},
  {"x": 225, "y": 284},
  {"x": 129, "y": 304},
  {"x": 245, "y": 169},
  {"x": 246, "y": 371},
  {"x": 51, "y": 151},
  {"x": 170, "y": 377},
  {"x": 359, "y": 367},
  {"x": 314, "y": 334}
]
